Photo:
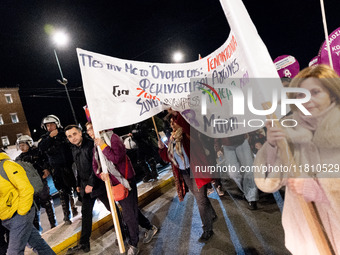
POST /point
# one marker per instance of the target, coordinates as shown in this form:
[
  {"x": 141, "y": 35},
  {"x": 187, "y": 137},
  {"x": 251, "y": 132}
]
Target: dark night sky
[{"x": 148, "y": 30}]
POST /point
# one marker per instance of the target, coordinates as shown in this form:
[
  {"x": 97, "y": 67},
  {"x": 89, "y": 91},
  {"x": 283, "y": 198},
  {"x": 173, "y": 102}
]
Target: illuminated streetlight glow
[
  {"x": 60, "y": 38},
  {"x": 178, "y": 56}
]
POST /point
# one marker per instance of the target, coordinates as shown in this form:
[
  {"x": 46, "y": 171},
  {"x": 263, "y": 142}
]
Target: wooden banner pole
[
  {"x": 308, "y": 208},
  {"x": 326, "y": 33},
  {"x": 112, "y": 203},
  {"x": 154, "y": 123}
]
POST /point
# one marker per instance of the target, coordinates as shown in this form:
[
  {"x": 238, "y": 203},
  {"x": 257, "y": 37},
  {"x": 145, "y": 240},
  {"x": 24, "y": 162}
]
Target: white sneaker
[
  {"x": 210, "y": 191},
  {"x": 220, "y": 191},
  {"x": 132, "y": 250},
  {"x": 150, "y": 234}
]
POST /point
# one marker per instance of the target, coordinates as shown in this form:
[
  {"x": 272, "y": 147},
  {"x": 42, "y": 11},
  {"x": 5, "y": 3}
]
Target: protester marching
[{"x": 32, "y": 155}]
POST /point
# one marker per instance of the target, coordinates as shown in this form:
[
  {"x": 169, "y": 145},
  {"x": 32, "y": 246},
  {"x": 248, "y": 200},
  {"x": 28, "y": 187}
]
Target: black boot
[
  {"x": 78, "y": 249},
  {"x": 146, "y": 170},
  {"x": 50, "y": 213},
  {"x": 152, "y": 164},
  {"x": 73, "y": 207},
  {"x": 147, "y": 177},
  {"x": 65, "y": 204}
]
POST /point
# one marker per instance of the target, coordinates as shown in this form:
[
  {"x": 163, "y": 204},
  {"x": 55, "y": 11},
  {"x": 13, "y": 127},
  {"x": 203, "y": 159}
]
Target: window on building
[
  {"x": 18, "y": 135},
  {"x": 9, "y": 99},
  {"x": 5, "y": 141},
  {"x": 14, "y": 117},
  {"x": 1, "y": 120}
]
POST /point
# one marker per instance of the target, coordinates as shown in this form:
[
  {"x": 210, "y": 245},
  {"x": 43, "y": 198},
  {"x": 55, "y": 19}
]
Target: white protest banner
[{"x": 122, "y": 92}]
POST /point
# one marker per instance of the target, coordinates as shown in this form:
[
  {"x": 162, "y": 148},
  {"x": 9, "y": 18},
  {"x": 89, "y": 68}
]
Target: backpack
[{"x": 31, "y": 172}]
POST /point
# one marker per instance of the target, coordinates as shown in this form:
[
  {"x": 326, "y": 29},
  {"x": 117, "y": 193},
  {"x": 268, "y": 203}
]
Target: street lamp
[
  {"x": 61, "y": 39},
  {"x": 178, "y": 57}
]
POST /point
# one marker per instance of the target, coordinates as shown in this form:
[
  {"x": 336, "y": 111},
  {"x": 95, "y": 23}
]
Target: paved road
[{"x": 237, "y": 230}]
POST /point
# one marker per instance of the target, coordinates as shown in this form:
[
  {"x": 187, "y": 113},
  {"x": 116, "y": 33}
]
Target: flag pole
[
  {"x": 308, "y": 208},
  {"x": 154, "y": 123},
  {"x": 326, "y": 33},
  {"x": 111, "y": 200}
]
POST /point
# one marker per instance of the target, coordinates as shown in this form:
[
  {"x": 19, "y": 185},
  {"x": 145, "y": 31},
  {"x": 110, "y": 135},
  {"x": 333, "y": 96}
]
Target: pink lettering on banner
[{"x": 223, "y": 56}]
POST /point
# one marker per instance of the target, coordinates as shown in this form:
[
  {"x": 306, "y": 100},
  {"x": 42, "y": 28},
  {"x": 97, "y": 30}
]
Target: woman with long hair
[{"x": 184, "y": 161}]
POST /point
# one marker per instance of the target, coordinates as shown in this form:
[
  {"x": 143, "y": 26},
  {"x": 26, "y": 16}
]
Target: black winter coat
[
  {"x": 57, "y": 149},
  {"x": 36, "y": 158},
  {"x": 82, "y": 156}
]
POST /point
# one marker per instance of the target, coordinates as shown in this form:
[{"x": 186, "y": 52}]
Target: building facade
[{"x": 13, "y": 121}]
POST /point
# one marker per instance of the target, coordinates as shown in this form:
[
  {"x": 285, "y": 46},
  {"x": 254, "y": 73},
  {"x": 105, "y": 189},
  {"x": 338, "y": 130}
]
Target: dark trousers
[
  {"x": 44, "y": 199},
  {"x": 86, "y": 211},
  {"x": 132, "y": 215},
  {"x": 205, "y": 208},
  {"x": 4, "y": 234},
  {"x": 86, "y": 221},
  {"x": 63, "y": 178},
  {"x": 64, "y": 181}
]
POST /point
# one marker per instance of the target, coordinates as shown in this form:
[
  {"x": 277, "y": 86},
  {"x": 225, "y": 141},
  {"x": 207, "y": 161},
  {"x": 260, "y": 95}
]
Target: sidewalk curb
[
  {"x": 106, "y": 222},
  {"x": 157, "y": 191}
]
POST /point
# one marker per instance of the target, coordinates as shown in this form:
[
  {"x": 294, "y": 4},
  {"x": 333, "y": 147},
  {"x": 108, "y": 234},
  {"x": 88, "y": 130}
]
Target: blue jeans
[
  {"x": 23, "y": 232},
  {"x": 241, "y": 155}
]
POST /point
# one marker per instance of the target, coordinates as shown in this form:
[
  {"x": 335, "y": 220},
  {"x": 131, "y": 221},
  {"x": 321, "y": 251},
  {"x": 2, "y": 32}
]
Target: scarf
[
  {"x": 176, "y": 137},
  {"x": 309, "y": 151},
  {"x": 311, "y": 121},
  {"x": 111, "y": 168}
]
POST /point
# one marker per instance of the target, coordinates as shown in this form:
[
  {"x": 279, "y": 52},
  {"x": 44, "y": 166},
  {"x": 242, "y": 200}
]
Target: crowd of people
[{"x": 73, "y": 158}]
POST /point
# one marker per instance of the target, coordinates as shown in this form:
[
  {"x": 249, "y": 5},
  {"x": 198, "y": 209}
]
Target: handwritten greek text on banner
[{"x": 122, "y": 92}]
